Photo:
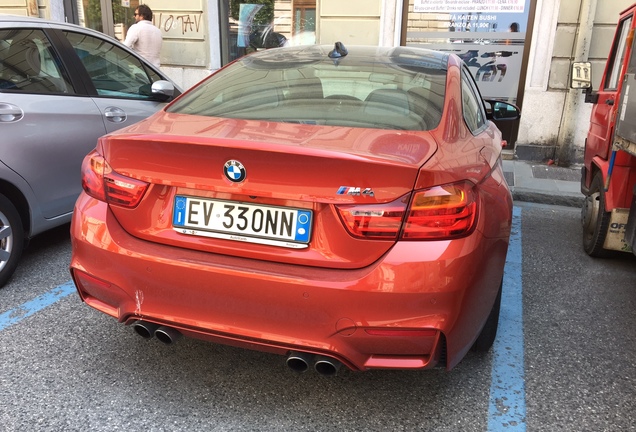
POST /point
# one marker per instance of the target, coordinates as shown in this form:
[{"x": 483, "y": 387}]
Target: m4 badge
[{"x": 355, "y": 191}]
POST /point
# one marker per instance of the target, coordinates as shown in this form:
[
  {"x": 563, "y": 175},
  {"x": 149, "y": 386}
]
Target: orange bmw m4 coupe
[{"x": 334, "y": 205}]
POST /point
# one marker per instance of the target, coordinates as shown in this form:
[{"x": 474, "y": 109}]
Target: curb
[{"x": 532, "y": 196}]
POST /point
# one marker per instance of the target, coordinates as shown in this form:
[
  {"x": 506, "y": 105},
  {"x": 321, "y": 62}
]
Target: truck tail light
[
  {"x": 438, "y": 213},
  {"x": 101, "y": 182}
]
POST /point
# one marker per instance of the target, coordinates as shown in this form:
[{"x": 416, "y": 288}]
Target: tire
[
  {"x": 489, "y": 332},
  {"x": 595, "y": 219},
  {"x": 11, "y": 239}
]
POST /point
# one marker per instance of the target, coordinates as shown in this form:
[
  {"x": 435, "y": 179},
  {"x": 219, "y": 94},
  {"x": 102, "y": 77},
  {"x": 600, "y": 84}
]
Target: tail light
[
  {"x": 101, "y": 182},
  {"x": 375, "y": 221},
  {"x": 442, "y": 212},
  {"x": 438, "y": 213}
]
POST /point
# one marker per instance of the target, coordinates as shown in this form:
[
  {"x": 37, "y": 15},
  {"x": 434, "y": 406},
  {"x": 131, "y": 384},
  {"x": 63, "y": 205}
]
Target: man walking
[{"x": 143, "y": 36}]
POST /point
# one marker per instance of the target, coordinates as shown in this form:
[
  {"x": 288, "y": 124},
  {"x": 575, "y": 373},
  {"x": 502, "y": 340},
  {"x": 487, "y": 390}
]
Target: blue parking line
[
  {"x": 507, "y": 409},
  {"x": 31, "y": 307}
]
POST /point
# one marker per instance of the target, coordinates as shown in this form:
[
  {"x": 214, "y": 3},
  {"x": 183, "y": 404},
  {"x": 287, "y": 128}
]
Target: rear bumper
[{"x": 397, "y": 313}]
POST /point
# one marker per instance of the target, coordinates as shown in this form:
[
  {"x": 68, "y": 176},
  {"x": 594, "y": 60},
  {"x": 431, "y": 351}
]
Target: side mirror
[
  {"x": 499, "y": 110},
  {"x": 581, "y": 78},
  {"x": 581, "y": 75},
  {"x": 162, "y": 90}
]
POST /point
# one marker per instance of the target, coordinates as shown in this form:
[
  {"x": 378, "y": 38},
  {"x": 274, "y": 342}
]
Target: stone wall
[{"x": 547, "y": 97}]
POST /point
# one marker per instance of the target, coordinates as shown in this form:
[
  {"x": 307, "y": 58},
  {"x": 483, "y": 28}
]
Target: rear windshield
[{"x": 353, "y": 92}]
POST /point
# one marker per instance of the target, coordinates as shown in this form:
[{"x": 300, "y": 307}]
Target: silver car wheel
[
  {"x": 12, "y": 238},
  {"x": 6, "y": 240}
]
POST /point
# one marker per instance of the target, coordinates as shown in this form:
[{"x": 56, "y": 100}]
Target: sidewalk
[{"x": 539, "y": 182}]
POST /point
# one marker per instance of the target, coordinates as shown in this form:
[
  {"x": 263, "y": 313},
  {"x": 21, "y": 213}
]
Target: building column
[
  {"x": 390, "y": 23},
  {"x": 540, "y": 105},
  {"x": 574, "y": 99}
]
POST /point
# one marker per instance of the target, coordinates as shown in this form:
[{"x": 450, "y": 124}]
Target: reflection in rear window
[{"x": 373, "y": 89}]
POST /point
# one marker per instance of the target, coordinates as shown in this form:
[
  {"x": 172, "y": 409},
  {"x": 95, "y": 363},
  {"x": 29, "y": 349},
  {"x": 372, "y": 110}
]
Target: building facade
[{"x": 519, "y": 50}]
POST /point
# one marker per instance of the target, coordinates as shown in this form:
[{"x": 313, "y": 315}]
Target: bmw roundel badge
[{"x": 234, "y": 171}]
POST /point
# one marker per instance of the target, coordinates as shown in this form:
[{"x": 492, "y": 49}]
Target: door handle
[
  {"x": 10, "y": 113},
  {"x": 609, "y": 102},
  {"x": 115, "y": 114}
]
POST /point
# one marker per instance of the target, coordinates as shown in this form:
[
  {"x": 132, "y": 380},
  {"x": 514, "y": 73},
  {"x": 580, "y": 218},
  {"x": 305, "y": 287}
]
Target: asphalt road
[{"x": 570, "y": 367}]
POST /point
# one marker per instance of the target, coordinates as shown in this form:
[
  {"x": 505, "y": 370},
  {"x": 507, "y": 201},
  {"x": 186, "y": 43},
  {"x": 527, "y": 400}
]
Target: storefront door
[
  {"x": 491, "y": 36},
  {"x": 112, "y": 17}
]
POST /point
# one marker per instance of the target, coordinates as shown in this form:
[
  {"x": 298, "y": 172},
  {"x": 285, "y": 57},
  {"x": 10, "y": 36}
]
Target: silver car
[{"x": 61, "y": 87}]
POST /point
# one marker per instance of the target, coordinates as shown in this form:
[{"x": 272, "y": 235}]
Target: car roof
[
  {"x": 26, "y": 19},
  {"x": 7, "y": 20},
  {"x": 10, "y": 21},
  {"x": 290, "y": 56}
]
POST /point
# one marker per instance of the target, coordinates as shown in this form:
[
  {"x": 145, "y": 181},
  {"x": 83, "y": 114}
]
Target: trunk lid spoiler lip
[{"x": 413, "y": 148}]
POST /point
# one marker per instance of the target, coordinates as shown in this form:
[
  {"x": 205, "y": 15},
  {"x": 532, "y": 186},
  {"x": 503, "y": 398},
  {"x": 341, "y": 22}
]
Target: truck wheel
[
  {"x": 488, "y": 334},
  {"x": 11, "y": 239},
  {"x": 595, "y": 219}
]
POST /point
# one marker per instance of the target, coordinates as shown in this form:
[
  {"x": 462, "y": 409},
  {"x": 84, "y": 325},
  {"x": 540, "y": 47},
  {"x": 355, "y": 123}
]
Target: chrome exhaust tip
[
  {"x": 327, "y": 366},
  {"x": 298, "y": 361},
  {"x": 144, "y": 329},
  {"x": 167, "y": 335}
]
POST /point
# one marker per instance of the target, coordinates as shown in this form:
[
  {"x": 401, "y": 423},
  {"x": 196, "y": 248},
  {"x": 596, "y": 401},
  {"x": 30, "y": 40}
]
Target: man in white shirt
[{"x": 144, "y": 37}]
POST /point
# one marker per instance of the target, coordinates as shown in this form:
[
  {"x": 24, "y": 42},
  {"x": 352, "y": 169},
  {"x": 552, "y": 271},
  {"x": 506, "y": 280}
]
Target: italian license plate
[{"x": 239, "y": 221}]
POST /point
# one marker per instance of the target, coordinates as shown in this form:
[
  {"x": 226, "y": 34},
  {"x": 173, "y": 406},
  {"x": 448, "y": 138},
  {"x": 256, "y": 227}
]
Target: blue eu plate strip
[{"x": 303, "y": 226}]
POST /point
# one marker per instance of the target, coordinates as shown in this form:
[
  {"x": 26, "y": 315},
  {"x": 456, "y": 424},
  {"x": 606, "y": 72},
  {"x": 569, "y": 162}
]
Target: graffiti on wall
[{"x": 180, "y": 25}]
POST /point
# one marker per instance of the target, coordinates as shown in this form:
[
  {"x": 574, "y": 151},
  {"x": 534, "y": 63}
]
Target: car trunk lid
[{"x": 307, "y": 168}]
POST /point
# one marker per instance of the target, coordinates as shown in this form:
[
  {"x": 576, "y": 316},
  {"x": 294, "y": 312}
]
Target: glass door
[{"x": 112, "y": 17}]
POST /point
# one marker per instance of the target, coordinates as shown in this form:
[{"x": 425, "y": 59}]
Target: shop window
[
  {"x": 263, "y": 24},
  {"x": 112, "y": 17},
  {"x": 304, "y": 24}
]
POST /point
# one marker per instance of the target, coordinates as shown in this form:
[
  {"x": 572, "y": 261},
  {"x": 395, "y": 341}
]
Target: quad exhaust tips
[
  {"x": 164, "y": 334},
  {"x": 297, "y": 361},
  {"x": 300, "y": 361}
]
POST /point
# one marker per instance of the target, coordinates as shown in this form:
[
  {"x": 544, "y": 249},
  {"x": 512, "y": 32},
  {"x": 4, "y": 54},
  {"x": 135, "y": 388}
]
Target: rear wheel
[
  {"x": 595, "y": 219},
  {"x": 488, "y": 334},
  {"x": 11, "y": 239}
]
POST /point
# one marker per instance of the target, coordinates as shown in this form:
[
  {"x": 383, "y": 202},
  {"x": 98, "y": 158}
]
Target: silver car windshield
[{"x": 369, "y": 92}]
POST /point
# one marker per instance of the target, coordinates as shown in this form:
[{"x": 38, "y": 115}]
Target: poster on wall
[{"x": 489, "y": 35}]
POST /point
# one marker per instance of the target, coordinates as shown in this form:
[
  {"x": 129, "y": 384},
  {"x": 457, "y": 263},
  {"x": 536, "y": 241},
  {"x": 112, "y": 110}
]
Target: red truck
[{"x": 608, "y": 178}]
